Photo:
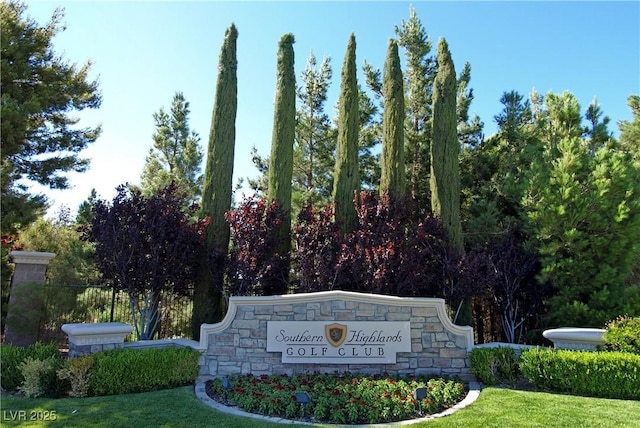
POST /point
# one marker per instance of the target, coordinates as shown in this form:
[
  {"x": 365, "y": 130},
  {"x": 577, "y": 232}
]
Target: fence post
[
  {"x": 26, "y": 298},
  {"x": 113, "y": 303}
]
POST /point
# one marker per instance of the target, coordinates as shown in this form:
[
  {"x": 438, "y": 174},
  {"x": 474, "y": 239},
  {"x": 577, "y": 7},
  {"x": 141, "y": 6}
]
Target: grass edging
[{"x": 201, "y": 394}]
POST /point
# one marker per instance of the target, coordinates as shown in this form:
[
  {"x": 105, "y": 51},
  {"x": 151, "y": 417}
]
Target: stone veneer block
[{"x": 438, "y": 346}]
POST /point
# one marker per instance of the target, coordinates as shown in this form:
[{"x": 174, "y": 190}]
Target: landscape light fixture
[
  {"x": 226, "y": 384},
  {"x": 420, "y": 394},
  {"x": 303, "y": 398}
]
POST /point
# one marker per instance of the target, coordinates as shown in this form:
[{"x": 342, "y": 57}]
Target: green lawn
[{"x": 180, "y": 408}]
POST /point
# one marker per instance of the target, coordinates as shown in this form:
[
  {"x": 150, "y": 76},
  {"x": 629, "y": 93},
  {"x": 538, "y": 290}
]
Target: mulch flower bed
[{"x": 338, "y": 398}]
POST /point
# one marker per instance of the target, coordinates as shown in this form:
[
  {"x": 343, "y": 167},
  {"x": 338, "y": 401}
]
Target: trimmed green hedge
[
  {"x": 493, "y": 366},
  {"x": 124, "y": 371},
  {"x": 12, "y": 356},
  {"x": 595, "y": 374},
  {"x": 119, "y": 371}
]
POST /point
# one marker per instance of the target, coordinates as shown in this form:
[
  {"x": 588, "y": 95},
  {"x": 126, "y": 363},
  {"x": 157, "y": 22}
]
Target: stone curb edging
[{"x": 201, "y": 394}]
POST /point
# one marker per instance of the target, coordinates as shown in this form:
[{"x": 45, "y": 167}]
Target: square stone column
[{"x": 26, "y": 298}]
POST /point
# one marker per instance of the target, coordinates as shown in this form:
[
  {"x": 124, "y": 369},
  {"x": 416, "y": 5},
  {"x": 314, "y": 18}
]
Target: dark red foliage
[
  {"x": 145, "y": 244},
  {"x": 387, "y": 253},
  {"x": 402, "y": 257},
  {"x": 318, "y": 247},
  {"x": 253, "y": 262}
]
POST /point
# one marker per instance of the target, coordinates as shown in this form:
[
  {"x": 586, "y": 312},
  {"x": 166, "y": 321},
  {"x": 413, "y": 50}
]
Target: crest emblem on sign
[{"x": 335, "y": 333}]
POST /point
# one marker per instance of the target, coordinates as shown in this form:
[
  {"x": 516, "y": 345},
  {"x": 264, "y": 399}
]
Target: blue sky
[{"x": 145, "y": 51}]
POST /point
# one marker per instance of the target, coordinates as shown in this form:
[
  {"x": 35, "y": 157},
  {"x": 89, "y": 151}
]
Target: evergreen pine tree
[
  {"x": 175, "y": 155},
  {"x": 597, "y": 131},
  {"x": 445, "y": 148},
  {"x": 347, "y": 177},
  {"x": 418, "y": 84},
  {"x": 315, "y": 142},
  {"x": 630, "y": 130},
  {"x": 392, "y": 179},
  {"x": 469, "y": 129},
  {"x": 630, "y": 141},
  {"x": 39, "y": 133},
  {"x": 281, "y": 160},
  {"x": 216, "y": 194}
]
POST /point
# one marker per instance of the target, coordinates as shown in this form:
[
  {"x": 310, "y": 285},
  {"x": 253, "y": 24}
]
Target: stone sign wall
[{"x": 335, "y": 331}]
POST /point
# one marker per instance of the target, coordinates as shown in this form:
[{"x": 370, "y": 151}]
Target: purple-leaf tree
[
  {"x": 387, "y": 253},
  {"x": 254, "y": 261},
  {"x": 146, "y": 247},
  {"x": 318, "y": 246}
]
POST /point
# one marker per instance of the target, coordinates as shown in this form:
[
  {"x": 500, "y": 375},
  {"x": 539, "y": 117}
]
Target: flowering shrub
[{"x": 339, "y": 398}]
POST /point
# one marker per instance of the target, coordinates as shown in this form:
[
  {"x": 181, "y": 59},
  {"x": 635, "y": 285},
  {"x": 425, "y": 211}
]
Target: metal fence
[{"x": 65, "y": 304}]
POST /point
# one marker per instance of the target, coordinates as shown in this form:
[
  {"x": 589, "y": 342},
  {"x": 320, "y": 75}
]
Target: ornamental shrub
[
  {"x": 40, "y": 377},
  {"x": 623, "y": 334},
  {"x": 493, "y": 366},
  {"x": 76, "y": 371},
  {"x": 12, "y": 356},
  {"x": 596, "y": 374},
  {"x": 124, "y": 371}
]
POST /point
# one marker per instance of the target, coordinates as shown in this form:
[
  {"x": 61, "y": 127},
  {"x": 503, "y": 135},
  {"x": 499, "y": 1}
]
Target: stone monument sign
[{"x": 335, "y": 331}]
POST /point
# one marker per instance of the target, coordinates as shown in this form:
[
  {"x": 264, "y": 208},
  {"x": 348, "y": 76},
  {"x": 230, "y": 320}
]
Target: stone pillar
[{"x": 26, "y": 298}]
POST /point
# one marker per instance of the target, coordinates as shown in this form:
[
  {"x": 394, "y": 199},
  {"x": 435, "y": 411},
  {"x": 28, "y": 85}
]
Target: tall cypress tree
[
  {"x": 216, "y": 194},
  {"x": 445, "y": 148},
  {"x": 393, "y": 176},
  {"x": 347, "y": 175},
  {"x": 281, "y": 160}
]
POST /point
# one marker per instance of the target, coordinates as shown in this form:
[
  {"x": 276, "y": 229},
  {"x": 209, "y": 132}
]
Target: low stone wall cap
[
  {"x": 97, "y": 328},
  {"x": 575, "y": 334}
]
